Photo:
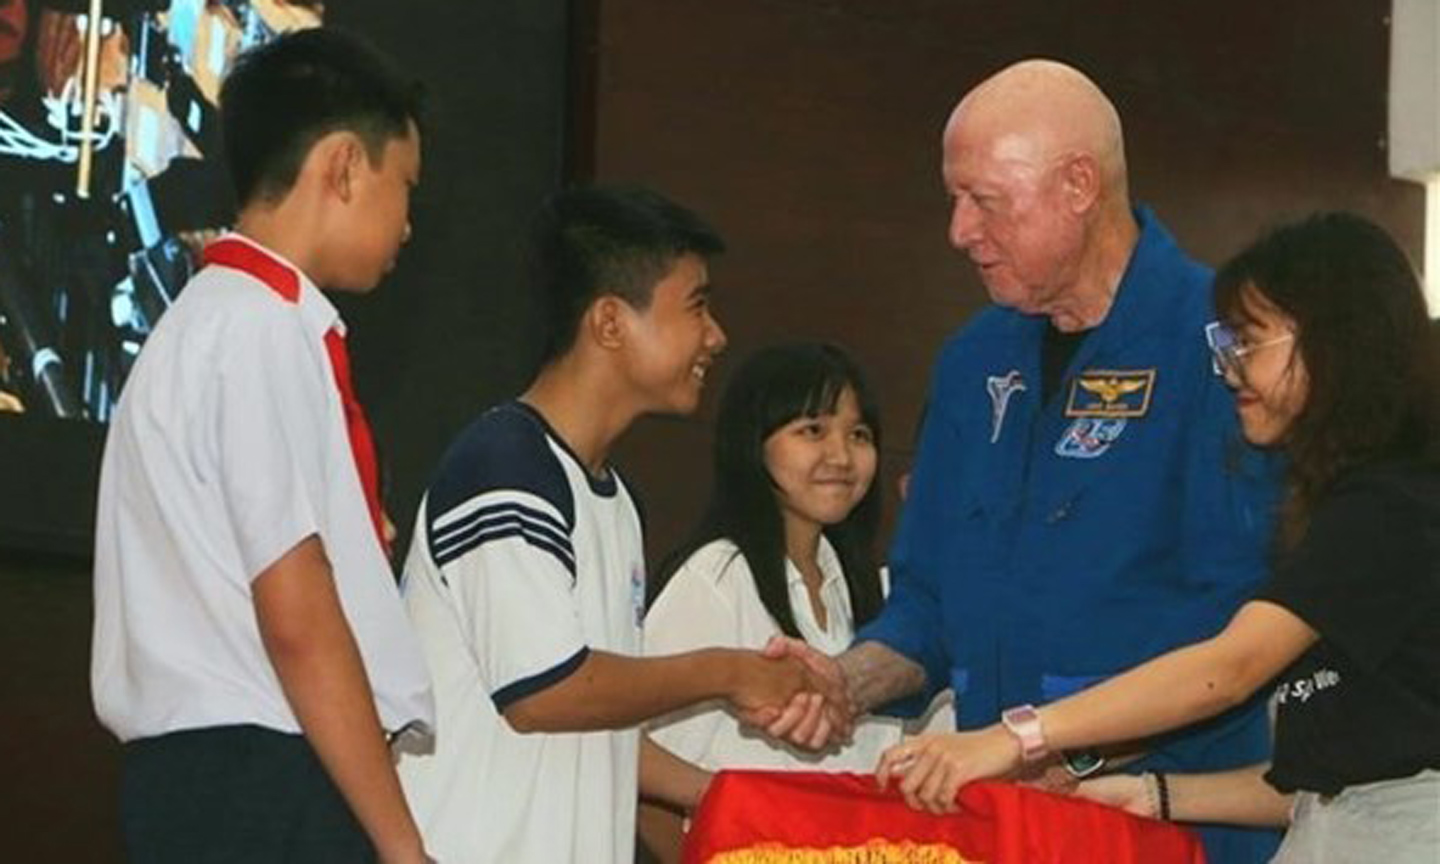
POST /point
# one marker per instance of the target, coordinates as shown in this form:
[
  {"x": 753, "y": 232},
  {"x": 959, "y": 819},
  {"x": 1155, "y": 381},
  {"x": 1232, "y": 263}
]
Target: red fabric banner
[{"x": 767, "y": 817}]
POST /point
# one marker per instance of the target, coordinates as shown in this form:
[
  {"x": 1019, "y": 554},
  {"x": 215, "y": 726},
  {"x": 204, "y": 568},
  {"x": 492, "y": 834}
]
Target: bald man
[{"x": 1081, "y": 499}]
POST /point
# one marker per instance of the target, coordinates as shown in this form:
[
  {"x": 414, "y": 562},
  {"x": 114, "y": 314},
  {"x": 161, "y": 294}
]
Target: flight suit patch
[
  {"x": 1001, "y": 388},
  {"x": 1110, "y": 393},
  {"x": 1089, "y": 437}
]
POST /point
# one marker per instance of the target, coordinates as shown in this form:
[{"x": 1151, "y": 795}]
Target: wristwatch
[
  {"x": 1082, "y": 763},
  {"x": 1023, "y": 721}
]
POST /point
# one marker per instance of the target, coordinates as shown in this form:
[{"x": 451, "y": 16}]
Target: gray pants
[{"x": 1390, "y": 822}]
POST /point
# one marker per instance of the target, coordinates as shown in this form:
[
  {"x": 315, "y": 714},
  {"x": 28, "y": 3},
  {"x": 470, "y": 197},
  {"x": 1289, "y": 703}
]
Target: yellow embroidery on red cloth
[{"x": 873, "y": 852}]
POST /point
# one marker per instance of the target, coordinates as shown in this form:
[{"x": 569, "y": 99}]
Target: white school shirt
[
  {"x": 228, "y": 448},
  {"x": 522, "y": 564},
  {"x": 711, "y": 601}
]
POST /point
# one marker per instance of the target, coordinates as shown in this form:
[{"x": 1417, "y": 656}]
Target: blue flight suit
[{"x": 1046, "y": 547}]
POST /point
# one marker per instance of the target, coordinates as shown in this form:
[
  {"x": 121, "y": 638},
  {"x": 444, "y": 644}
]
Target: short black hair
[
  {"x": 592, "y": 241},
  {"x": 284, "y": 95}
]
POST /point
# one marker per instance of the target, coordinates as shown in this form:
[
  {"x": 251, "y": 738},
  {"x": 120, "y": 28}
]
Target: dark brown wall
[
  {"x": 808, "y": 130},
  {"x": 58, "y": 797}
]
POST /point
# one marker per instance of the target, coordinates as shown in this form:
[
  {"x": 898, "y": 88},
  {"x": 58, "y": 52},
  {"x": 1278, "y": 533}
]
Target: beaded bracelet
[{"x": 1162, "y": 792}]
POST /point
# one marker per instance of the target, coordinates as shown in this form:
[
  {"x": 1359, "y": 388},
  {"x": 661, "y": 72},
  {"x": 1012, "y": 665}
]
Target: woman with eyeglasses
[{"x": 1326, "y": 342}]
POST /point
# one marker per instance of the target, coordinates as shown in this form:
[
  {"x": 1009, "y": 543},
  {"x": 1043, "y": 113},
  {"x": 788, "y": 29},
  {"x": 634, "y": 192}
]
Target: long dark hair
[
  {"x": 770, "y": 389},
  {"x": 1363, "y": 333}
]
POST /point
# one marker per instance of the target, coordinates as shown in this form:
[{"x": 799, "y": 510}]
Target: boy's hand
[
  {"x": 808, "y": 723},
  {"x": 410, "y": 853},
  {"x": 810, "y": 710},
  {"x": 309, "y": 644},
  {"x": 763, "y": 685}
]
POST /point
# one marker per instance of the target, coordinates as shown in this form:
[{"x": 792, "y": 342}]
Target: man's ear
[
  {"x": 606, "y": 320},
  {"x": 1081, "y": 174}
]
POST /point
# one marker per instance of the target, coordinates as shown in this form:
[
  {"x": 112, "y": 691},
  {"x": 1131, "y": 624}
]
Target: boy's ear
[
  {"x": 340, "y": 154},
  {"x": 605, "y": 321}
]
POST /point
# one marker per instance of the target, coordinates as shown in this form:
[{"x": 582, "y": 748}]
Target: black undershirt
[{"x": 1056, "y": 351}]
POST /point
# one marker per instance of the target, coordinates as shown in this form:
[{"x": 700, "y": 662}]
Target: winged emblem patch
[{"x": 1111, "y": 393}]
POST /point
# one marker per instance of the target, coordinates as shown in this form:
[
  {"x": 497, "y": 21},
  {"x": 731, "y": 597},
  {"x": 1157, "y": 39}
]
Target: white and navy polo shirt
[
  {"x": 522, "y": 563},
  {"x": 229, "y": 447}
]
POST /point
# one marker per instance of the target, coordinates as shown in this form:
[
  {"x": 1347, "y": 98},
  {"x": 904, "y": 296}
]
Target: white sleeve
[
  {"x": 515, "y": 586},
  {"x": 271, "y": 415},
  {"x": 696, "y": 610}
]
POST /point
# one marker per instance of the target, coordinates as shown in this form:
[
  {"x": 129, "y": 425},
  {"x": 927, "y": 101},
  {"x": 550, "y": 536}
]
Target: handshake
[{"x": 794, "y": 693}]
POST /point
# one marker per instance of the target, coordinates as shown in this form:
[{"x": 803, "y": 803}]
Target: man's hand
[
  {"x": 1050, "y": 775},
  {"x": 932, "y": 768}
]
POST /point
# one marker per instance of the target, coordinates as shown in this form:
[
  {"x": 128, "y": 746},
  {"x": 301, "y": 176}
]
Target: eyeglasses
[{"x": 1230, "y": 350}]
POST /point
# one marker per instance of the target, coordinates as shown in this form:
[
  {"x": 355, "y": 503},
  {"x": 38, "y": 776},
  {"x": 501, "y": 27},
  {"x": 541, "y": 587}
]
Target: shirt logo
[
  {"x": 1000, "y": 388},
  {"x": 1302, "y": 689},
  {"x": 1089, "y": 437},
  {"x": 637, "y": 595},
  {"x": 1110, "y": 393}
]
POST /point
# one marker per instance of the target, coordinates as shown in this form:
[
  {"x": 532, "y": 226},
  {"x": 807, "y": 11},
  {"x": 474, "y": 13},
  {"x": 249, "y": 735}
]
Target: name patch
[{"x": 1110, "y": 393}]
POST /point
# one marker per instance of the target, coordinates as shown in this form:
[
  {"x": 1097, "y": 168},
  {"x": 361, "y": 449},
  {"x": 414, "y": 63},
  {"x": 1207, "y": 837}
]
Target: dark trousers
[{"x": 234, "y": 795}]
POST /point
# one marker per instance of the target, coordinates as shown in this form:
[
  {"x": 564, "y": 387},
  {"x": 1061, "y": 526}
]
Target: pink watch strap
[{"x": 1023, "y": 721}]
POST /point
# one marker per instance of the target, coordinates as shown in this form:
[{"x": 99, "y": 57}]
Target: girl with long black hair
[{"x": 785, "y": 545}]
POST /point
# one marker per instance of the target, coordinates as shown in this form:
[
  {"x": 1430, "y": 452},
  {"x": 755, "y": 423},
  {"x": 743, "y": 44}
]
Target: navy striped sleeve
[
  {"x": 514, "y": 692},
  {"x": 500, "y": 480}
]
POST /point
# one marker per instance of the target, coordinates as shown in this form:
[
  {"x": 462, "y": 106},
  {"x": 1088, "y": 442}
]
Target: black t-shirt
[
  {"x": 1363, "y": 704},
  {"x": 1057, "y": 349}
]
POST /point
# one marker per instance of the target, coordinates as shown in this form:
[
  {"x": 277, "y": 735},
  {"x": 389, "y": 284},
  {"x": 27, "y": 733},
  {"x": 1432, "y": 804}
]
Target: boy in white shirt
[
  {"x": 526, "y": 579},
  {"x": 250, "y": 647}
]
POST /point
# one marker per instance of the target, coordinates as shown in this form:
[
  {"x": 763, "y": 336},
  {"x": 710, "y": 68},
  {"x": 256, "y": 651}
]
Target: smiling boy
[{"x": 526, "y": 580}]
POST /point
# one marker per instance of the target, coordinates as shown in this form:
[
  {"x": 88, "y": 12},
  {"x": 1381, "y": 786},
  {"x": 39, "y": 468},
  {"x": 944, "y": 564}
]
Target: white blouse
[{"x": 711, "y": 601}]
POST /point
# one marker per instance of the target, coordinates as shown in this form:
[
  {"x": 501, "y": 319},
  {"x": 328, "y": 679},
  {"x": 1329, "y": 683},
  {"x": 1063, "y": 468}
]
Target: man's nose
[{"x": 964, "y": 222}]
